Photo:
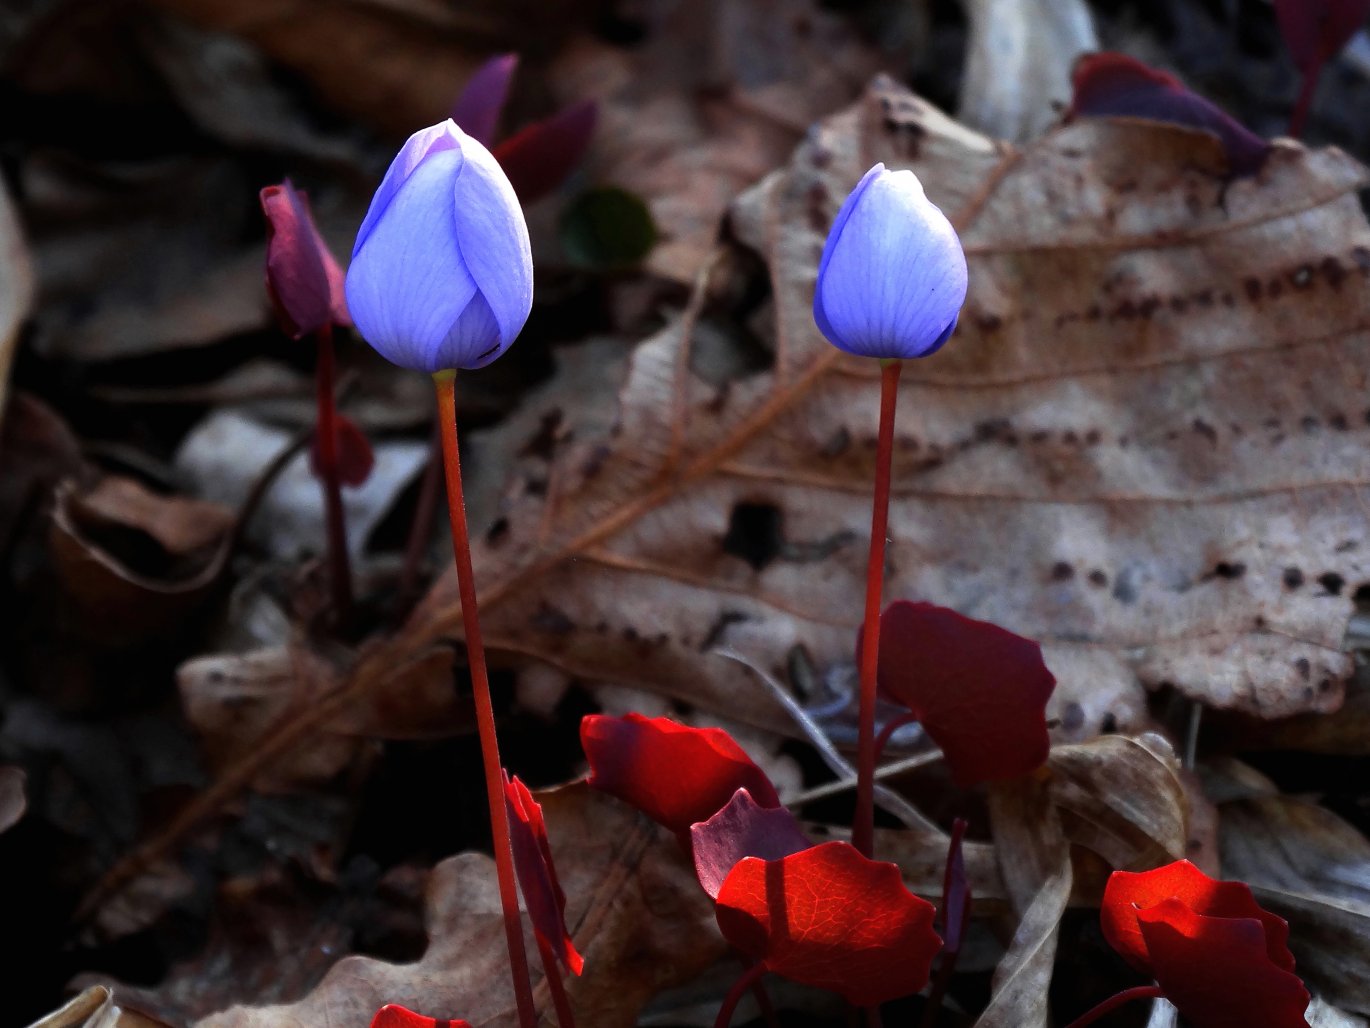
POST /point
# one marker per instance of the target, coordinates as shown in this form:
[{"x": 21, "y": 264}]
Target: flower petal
[
  {"x": 408, "y": 286},
  {"x": 435, "y": 139},
  {"x": 495, "y": 245}
]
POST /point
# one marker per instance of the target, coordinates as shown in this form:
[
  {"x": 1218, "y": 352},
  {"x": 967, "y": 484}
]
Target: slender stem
[
  {"x": 555, "y": 985},
  {"x": 326, "y": 459},
  {"x": 1114, "y": 1002},
  {"x": 422, "y": 526},
  {"x": 863, "y": 825},
  {"x": 891, "y": 726},
  {"x": 955, "y": 911},
  {"x": 745, "y": 981},
  {"x": 1304, "y": 104},
  {"x": 446, "y": 382}
]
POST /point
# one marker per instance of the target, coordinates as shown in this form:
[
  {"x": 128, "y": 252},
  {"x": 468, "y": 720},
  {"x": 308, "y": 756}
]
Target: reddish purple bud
[
  {"x": 481, "y": 103},
  {"x": 537, "y": 876},
  {"x": 1112, "y": 85},
  {"x": 302, "y": 278},
  {"x": 355, "y": 456},
  {"x": 1316, "y": 30},
  {"x": 743, "y": 828},
  {"x": 540, "y": 156}
]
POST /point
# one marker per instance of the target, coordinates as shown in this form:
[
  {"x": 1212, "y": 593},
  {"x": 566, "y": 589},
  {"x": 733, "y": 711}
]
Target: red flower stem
[
  {"x": 1304, "y": 104},
  {"x": 446, "y": 382},
  {"x": 555, "y": 985},
  {"x": 326, "y": 459},
  {"x": 1114, "y": 1002},
  {"x": 891, "y": 726},
  {"x": 422, "y": 526},
  {"x": 863, "y": 824},
  {"x": 745, "y": 981}
]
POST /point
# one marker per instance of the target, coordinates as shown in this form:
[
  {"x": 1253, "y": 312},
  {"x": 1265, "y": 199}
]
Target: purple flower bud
[
  {"x": 893, "y": 276},
  {"x": 442, "y": 272},
  {"x": 303, "y": 280}
]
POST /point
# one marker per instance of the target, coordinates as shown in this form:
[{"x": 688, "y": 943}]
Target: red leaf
[
  {"x": 355, "y": 456},
  {"x": 537, "y": 876},
  {"x": 303, "y": 280},
  {"x": 674, "y": 774},
  {"x": 540, "y": 156},
  {"x": 1316, "y": 30},
  {"x": 979, "y": 690},
  {"x": 742, "y": 829},
  {"x": 482, "y": 100},
  {"x": 1128, "y": 894},
  {"x": 1217, "y": 971},
  {"x": 392, "y": 1016},
  {"x": 1115, "y": 85},
  {"x": 829, "y": 917}
]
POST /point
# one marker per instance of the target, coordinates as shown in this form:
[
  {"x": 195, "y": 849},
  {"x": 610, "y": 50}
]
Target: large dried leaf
[
  {"x": 1313, "y": 869},
  {"x": 1144, "y": 447},
  {"x": 636, "y": 912}
]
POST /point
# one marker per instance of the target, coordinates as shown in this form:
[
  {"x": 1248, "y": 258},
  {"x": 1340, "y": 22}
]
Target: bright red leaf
[
  {"x": 303, "y": 280},
  {"x": 537, "y": 876},
  {"x": 393, "y": 1016},
  {"x": 980, "y": 691},
  {"x": 1110, "y": 85},
  {"x": 674, "y": 774},
  {"x": 1127, "y": 894},
  {"x": 482, "y": 99},
  {"x": 539, "y": 156},
  {"x": 355, "y": 456},
  {"x": 742, "y": 829},
  {"x": 831, "y": 918},
  {"x": 1221, "y": 959}
]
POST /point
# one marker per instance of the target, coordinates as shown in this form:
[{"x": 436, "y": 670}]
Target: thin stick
[
  {"x": 445, "y": 382},
  {"x": 745, "y": 981},
  {"x": 863, "y": 825},
  {"x": 550, "y": 967},
  {"x": 1114, "y": 1002},
  {"x": 1304, "y": 104},
  {"x": 326, "y": 454}
]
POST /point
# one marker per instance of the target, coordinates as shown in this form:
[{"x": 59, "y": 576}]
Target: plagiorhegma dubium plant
[
  {"x": 891, "y": 283},
  {"x": 441, "y": 280}
]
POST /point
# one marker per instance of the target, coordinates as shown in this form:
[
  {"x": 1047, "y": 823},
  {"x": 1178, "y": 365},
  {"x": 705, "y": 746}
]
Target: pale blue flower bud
[
  {"x": 892, "y": 278},
  {"x": 442, "y": 272}
]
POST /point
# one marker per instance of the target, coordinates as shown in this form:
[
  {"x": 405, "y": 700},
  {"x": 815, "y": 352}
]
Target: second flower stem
[
  {"x": 326, "y": 462},
  {"x": 863, "y": 825},
  {"x": 446, "y": 383}
]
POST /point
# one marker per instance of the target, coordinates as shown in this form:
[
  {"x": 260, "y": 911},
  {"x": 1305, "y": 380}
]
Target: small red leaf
[
  {"x": 540, "y": 156},
  {"x": 303, "y": 280},
  {"x": 980, "y": 691},
  {"x": 1128, "y": 894},
  {"x": 1316, "y": 30},
  {"x": 830, "y": 918},
  {"x": 742, "y": 829},
  {"x": 1216, "y": 970},
  {"x": 355, "y": 456},
  {"x": 393, "y": 1016},
  {"x": 537, "y": 876},
  {"x": 1110, "y": 85},
  {"x": 482, "y": 100},
  {"x": 674, "y": 774}
]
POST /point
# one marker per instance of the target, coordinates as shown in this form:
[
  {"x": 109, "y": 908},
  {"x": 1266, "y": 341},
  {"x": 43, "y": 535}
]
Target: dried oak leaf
[
  {"x": 636, "y": 912},
  {"x": 1145, "y": 448}
]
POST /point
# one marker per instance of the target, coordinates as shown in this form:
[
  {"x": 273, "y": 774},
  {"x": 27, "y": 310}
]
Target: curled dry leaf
[
  {"x": 1145, "y": 447},
  {"x": 1312, "y": 868},
  {"x": 634, "y": 908},
  {"x": 13, "y": 799},
  {"x": 95, "y": 1007},
  {"x": 134, "y": 565},
  {"x": 16, "y": 288}
]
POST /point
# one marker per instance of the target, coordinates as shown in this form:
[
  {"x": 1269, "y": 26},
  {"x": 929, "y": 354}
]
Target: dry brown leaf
[
  {"x": 1313, "y": 869},
  {"x": 635, "y": 909},
  {"x": 716, "y": 98},
  {"x": 95, "y": 1007},
  {"x": 1144, "y": 447},
  {"x": 13, "y": 796},
  {"x": 16, "y": 288},
  {"x": 1018, "y": 63}
]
